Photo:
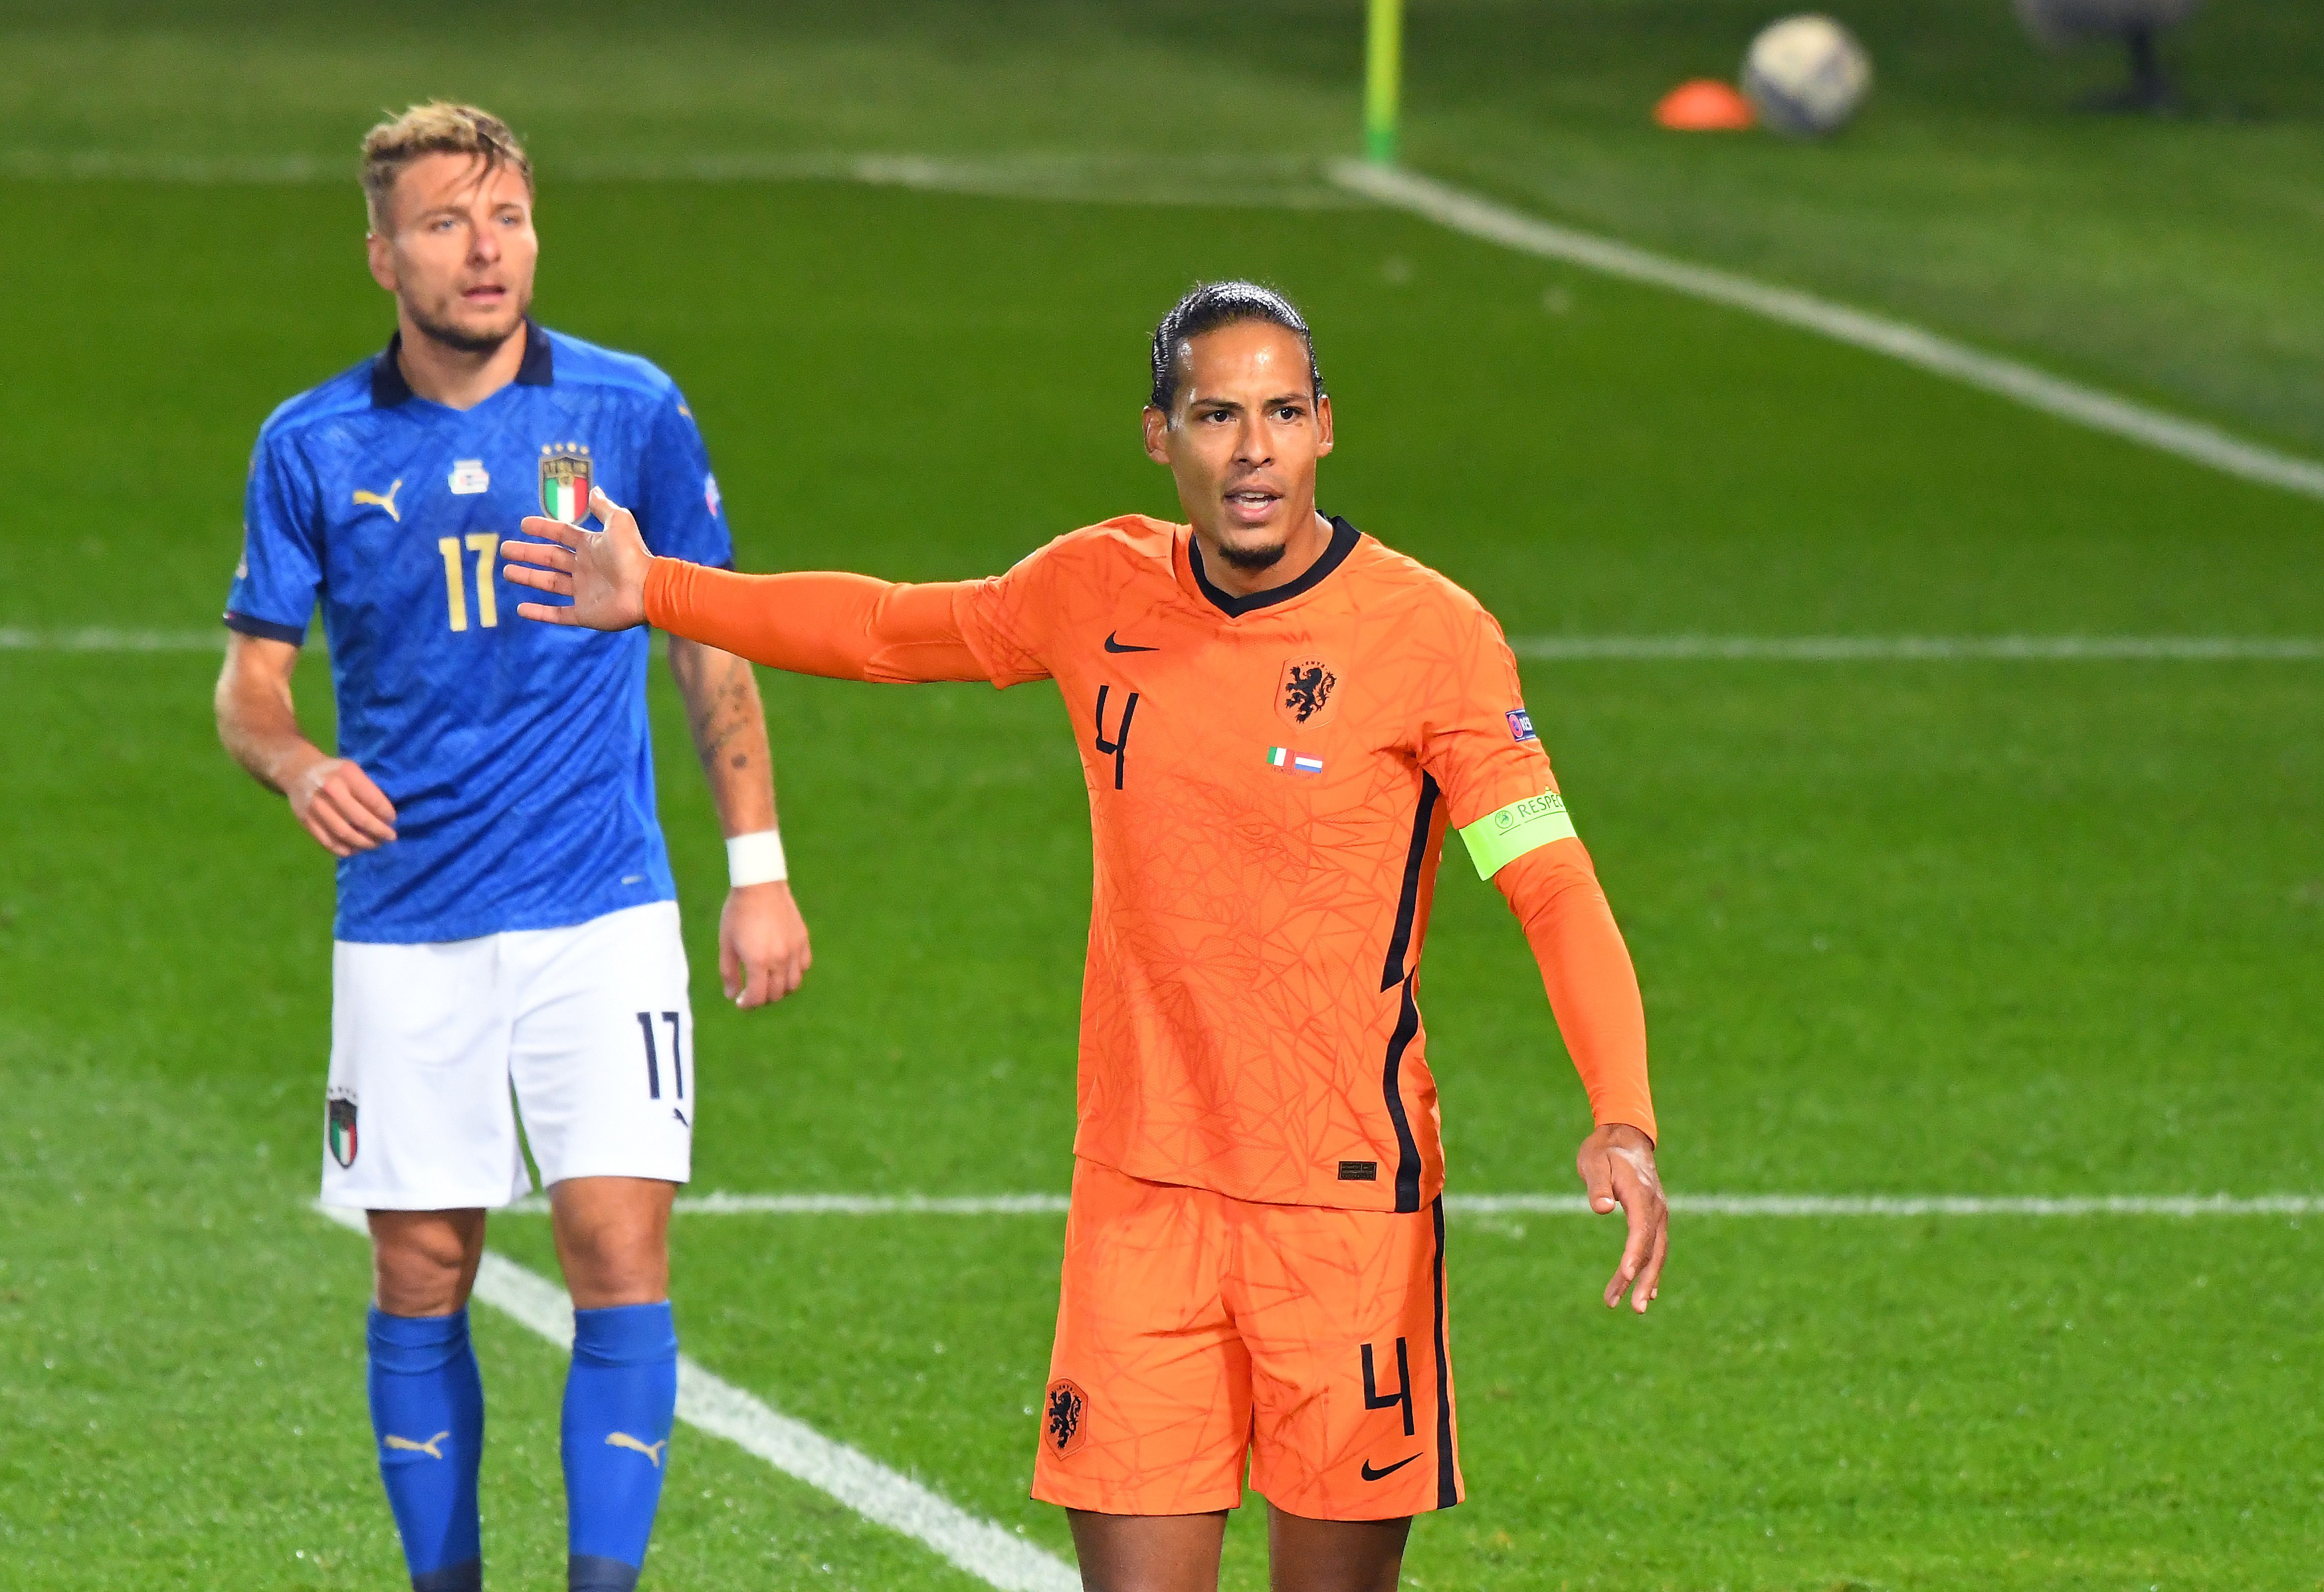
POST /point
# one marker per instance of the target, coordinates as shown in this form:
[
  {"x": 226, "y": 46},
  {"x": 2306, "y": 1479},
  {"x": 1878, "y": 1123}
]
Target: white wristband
[{"x": 756, "y": 859}]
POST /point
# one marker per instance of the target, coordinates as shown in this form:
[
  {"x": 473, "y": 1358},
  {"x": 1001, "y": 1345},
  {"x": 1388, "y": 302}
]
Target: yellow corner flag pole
[{"x": 1383, "y": 69}]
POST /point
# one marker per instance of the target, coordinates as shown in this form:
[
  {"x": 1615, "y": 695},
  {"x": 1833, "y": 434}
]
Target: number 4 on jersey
[{"x": 1117, "y": 748}]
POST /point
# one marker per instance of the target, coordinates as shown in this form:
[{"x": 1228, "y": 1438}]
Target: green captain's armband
[{"x": 1499, "y": 839}]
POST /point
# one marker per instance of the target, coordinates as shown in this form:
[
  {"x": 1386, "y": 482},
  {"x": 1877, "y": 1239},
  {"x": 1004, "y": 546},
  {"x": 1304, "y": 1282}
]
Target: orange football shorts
[{"x": 1197, "y": 1331}]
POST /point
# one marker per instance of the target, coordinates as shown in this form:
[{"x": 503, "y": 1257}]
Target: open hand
[
  {"x": 602, "y": 571},
  {"x": 1617, "y": 1164}
]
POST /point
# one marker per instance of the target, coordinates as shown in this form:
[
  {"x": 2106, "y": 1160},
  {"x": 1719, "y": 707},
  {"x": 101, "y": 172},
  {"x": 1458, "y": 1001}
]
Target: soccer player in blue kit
[{"x": 473, "y": 956}]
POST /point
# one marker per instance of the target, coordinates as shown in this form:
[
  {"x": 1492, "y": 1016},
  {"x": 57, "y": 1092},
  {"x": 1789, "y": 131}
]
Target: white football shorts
[{"x": 589, "y": 1025}]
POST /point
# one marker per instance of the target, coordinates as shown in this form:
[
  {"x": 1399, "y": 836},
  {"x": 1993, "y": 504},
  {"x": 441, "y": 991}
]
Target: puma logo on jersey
[
  {"x": 387, "y": 502},
  {"x": 622, "y": 1440},
  {"x": 407, "y": 1446}
]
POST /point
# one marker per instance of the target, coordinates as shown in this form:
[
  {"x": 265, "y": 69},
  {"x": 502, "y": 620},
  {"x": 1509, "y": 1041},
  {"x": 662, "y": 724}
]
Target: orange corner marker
[{"x": 1704, "y": 105}]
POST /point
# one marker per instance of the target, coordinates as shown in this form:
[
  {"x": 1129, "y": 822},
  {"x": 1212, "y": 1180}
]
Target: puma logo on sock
[{"x": 622, "y": 1440}]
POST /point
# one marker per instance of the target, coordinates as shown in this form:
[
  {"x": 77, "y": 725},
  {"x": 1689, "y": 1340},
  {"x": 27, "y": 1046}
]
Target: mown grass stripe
[
  {"x": 1296, "y": 183},
  {"x": 1732, "y": 1204},
  {"x": 2008, "y": 378},
  {"x": 993, "y": 1555},
  {"x": 1797, "y": 648}
]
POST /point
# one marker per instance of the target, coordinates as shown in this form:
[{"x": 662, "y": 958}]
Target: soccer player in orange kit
[{"x": 1278, "y": 718}]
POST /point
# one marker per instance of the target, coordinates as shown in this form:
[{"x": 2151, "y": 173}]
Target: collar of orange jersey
[
  {"x": 388, "y": 387},
  {"x": 1343, "y": 543}
]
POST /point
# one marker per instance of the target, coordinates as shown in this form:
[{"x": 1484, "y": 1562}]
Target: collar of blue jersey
[
  {"x": 388, "y": 387},
  {"x": 1343, "y": 543}
]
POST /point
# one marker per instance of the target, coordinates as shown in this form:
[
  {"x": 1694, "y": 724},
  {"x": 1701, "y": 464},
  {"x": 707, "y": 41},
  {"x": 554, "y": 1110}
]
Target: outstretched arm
[
  {"x": 846, "y": 626},
  {"x": 1593, "y": 990},
  {"x": 841, "y": 626}
]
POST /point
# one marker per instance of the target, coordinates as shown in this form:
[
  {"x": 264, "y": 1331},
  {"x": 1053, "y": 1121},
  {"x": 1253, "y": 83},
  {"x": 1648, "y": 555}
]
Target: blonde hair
[{"x": 437, "y": 127}]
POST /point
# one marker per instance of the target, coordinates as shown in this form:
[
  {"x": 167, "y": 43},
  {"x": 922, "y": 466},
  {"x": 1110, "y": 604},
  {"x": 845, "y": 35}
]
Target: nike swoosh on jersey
[
  {"x": 1371, "y": 1474},
  {"x": 1112, "y": 645}
]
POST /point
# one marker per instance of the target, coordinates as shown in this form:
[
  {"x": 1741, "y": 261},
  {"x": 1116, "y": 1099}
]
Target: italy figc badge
[{"x": 564, "y": 479}]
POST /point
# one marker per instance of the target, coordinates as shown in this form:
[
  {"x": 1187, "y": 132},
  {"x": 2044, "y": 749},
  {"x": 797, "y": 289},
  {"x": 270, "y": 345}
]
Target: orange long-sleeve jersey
[{"x": 1270, "y": 778}]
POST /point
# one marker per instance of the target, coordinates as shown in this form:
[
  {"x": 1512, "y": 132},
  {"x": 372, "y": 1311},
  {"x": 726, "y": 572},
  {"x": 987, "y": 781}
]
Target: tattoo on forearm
[{"x": 721, "y": 717}]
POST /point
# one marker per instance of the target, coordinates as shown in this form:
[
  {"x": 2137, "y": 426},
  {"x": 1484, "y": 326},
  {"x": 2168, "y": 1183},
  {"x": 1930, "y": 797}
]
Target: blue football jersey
[{"x": 388, "y": 511}]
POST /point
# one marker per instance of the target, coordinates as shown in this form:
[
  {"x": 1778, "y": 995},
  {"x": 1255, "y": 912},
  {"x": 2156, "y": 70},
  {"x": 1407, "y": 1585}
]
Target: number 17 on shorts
[{"x": 437, "y": 1050}]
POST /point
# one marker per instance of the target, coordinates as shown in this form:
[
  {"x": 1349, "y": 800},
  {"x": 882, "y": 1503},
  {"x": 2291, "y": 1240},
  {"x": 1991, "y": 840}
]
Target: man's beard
[
  {"x": 462, "y": 339},
  {"x": 1251, "y": 559}
]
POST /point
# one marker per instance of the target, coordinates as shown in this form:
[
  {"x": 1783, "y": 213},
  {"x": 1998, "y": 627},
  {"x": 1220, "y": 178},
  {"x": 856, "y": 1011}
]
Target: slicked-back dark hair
[{"x": 1210, "y": 305}]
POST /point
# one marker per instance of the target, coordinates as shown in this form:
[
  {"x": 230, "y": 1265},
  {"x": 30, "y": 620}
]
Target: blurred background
[{"x": 1952, "y": 766}]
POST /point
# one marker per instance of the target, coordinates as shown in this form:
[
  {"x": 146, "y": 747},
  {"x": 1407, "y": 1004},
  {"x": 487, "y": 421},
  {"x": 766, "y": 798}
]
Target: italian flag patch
[{"x": 565, "y": 480}]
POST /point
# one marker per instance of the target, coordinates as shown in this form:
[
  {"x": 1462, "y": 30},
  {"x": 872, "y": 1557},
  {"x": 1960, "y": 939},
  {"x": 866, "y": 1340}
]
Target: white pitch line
[
  {"x": 1916, "y": 1205},
  {"x": 1820, "y": 649},
  {"x": 873, "y": 1205},
  {"x": 101, "y": 639},
  {"x": 1286, "y": 182},
  {"x": 1732, "y": 1204},
  {"x": 2037, "y": 389},
  {"x": 988, "y": 1551}
]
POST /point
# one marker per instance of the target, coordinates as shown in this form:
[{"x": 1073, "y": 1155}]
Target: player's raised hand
[
  {"x": 340, "y": 806},
  {"x": 1617, "y": 1163},
  {"x": 602, "y": 571}
]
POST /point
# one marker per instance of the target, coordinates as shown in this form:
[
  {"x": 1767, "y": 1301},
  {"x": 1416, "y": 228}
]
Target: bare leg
[
  {"x": 424, "y": 1262},
  {"x": 1333, "y": 1555},
  {"x": 1148, "y": 1552},
  {"x": 612, "y": 1239}
]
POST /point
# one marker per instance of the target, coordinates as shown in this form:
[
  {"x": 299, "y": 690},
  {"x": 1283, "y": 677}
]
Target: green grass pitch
[{"x": 2026, "y": 928}]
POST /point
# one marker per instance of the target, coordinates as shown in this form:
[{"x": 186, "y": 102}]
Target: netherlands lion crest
[
  {"x": 1063, "y": 1423},
  {"x": 1302, "y": 692}
]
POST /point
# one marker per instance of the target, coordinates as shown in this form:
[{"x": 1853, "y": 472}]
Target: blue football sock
[
  {"x": 620, "y": 1398},
  {"x": 428, "y": 1412}
]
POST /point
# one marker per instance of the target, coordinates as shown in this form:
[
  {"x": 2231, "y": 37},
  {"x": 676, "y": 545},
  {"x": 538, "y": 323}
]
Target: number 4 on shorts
[
  {"x": 1376, "y": 1399},
  {"x": 653, "y": 1063}
]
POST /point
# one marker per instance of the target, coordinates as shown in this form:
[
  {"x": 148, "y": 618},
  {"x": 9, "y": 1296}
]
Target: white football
[{"x": 1807, "y": 75}]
